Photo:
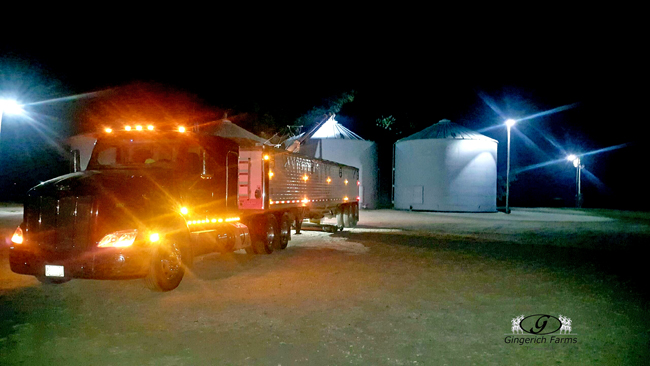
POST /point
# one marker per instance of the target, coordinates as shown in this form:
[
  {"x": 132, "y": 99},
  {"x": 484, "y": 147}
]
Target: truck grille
[{"x": 59, "y": 224}]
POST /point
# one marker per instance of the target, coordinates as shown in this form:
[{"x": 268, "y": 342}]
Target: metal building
[
  {"x": 445, "y": 167},
  {"x": 332, "y": 141}
]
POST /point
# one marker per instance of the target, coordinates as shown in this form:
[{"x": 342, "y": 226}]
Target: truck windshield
[{"x": 135, "y": 154}]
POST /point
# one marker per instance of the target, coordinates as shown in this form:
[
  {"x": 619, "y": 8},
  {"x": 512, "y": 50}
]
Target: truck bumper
[{"x": 103, "y": 263}]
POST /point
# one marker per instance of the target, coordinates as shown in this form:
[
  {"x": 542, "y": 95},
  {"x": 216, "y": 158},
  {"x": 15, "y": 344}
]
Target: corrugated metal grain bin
[{"x": 445, "y": 167}]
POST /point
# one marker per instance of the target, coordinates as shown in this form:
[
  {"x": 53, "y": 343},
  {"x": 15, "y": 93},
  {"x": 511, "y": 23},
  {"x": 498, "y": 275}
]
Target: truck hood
[{"x": 123, "y": 197}]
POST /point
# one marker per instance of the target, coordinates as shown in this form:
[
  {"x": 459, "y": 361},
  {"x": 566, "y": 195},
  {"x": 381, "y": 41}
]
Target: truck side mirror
[{"x": 75, "y": 163}]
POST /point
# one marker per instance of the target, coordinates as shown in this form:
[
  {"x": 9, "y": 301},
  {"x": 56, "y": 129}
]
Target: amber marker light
[
  {"x": 17, "y": 238},
  {"x": 108, "y": 130},
  {"x": 128, "y": 128},
  {"x": 270, "y": 174},
  {"x": 266, "y": 157},
  {"x": 305, "y": 177},
  {"x": 329, "y": 180},
  {"x": 346, "y": 182},
  {"x": 138, "y": 127},
  {"x": 181, "y": 129},
  {"x": 184, "y": 210},
  {"x": 154, "y": 237},
  {"x": 345, "y": 198},
  {"x": 150, "y": 127}
]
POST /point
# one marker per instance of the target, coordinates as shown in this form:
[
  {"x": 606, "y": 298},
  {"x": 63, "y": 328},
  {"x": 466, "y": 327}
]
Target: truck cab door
[{"x": 202, "y": 190}]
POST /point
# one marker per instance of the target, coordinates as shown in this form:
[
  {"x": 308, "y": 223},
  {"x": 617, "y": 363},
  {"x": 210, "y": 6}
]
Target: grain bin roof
[
  {"x": 445, "y": 129},
  {"x": 331, "y": 129},
  {"x": 225, "y": 128}
]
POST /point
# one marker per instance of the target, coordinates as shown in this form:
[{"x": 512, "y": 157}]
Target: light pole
[
  {"x": 9, "y": 106},
  {"x": 509, "y": 123},
  {"x": 578, "y": 165}
]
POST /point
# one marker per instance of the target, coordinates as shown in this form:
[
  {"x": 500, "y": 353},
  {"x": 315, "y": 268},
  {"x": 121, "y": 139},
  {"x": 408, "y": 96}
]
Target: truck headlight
[{"x": 118, "y": 239}]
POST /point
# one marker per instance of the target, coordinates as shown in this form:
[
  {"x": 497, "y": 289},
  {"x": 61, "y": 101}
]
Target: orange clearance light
[
  {"x": 305, "y": 177},
  {"x": 345, "y": 198},
  {"x": 329, "y": 180},
  {"x": 266, "y": 157},
  {"x": 17, "y": 238},
  {"x": 184, "y": 210},
  {"x": 270, "y": 174},
  {"x": 128, "y": 128},
  {"x": 150, "y": 128},
  {"x": 213, "y": 221},
  {"x": 154, "y": 237},
  {"x": 346, "y": 181},
  {"x": 108, "y": 130},
  {"x": 181, "y": 129},
  {"x": 305, "y": 200},
  {"x": 138, "y": 127}
]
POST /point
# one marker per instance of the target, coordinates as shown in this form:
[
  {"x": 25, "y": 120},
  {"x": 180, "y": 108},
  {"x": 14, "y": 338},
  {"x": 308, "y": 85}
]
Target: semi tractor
[{"x": 151, "y": 201}]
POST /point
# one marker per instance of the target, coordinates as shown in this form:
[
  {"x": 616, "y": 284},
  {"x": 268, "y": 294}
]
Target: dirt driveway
[{"x": 403, "y": 288}]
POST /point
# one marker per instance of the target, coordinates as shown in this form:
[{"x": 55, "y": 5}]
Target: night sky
[{"x": 419, "y": 76}]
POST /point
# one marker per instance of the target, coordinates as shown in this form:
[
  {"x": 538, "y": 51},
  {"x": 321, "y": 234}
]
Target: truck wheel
[
  {"x": 51, "y": 280},
  {"x": 166, "y": 271},
  {"x": 351, "y": 215},
  {"x": 340, "y": 218},
  {"x": 347, "y": 216},
  {"x": 285, "y": 231},
  {"x": 264, "y": 242}
]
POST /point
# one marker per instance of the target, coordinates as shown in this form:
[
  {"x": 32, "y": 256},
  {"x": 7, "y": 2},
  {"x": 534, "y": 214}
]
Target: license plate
[{"x": 53, "y": 271}]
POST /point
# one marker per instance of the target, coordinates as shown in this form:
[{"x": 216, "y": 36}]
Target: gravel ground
[{"x": 402, "y": 288}]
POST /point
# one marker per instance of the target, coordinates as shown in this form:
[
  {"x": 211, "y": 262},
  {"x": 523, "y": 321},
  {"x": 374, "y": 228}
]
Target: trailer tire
[
  {"x": 265, "y": 240},
  {"x": 347, "y": 216},
  {"x": 284, "y": 231},
  {"x": 167, "y": 269}
]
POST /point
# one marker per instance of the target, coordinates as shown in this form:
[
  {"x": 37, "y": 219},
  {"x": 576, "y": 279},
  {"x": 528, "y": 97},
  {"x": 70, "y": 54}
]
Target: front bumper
[{"x": 100, "y": 263}]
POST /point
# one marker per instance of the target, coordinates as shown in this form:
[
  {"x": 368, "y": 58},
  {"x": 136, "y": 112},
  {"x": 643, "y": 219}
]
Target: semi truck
[{"x": 151, "y": 201}]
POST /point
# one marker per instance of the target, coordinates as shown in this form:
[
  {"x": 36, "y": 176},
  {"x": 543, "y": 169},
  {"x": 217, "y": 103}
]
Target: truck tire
[
  {"x": 267, "y": 229},
  {"x": 340, "y": 221},
  {"x": 347, "y": 216},
  {"x": 284, "y": 231},
  {"x": 166, "y": 270},
  {"x": 355, "y": 214}
]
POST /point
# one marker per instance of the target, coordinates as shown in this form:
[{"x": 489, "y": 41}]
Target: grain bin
[
  {"x": 332, "y": 141},
  {"x": 445, "y": 167}
]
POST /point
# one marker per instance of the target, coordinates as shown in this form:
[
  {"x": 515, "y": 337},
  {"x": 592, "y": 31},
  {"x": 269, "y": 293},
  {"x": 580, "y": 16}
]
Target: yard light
[
  {"x": 578, "y": 165},
  {"x": 509, "y": 123},
  {"x": 9, "y": 106}
]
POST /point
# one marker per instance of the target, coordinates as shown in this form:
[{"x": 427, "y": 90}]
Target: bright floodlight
[
  {"x": 571, "y": 157},
  {"x": 10, "y": 106},
  {"x": 510, "y": 122}
]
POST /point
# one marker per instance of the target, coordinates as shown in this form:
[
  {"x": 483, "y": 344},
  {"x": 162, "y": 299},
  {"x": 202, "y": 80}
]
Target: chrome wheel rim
[{"x": 171, "y": 262}]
